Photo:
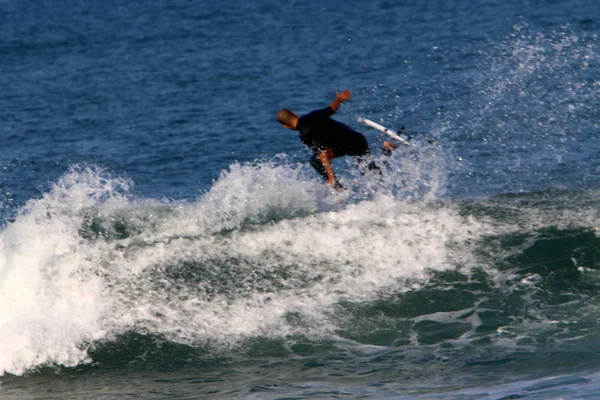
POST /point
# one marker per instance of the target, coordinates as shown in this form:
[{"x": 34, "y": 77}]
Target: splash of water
[{"x": 88, "y": 261}]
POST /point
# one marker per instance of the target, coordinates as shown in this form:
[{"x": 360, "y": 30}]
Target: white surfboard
[{"x": 383, "y": 129}]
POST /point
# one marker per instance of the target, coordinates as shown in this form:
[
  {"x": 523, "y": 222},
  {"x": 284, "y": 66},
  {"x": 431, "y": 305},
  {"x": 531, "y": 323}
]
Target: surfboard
[{"x": 384, "y": 130}]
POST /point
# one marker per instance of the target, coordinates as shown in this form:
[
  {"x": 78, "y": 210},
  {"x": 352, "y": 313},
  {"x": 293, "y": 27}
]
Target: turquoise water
[{"x": 163, "y": 237}]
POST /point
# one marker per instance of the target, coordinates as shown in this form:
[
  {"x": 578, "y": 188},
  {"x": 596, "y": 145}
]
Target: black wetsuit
[{"x": 321, "y": 133}]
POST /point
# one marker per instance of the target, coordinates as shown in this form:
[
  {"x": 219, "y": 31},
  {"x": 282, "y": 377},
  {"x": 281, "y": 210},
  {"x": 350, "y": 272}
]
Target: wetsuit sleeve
[{"x": 322, "y": 113}]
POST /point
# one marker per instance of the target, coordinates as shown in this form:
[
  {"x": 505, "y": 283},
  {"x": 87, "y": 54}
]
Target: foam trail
[
  {"x": 252, "y": 251},
  {"x": 70, "y": 260},
  {"x": 294, "y": 266},
  {"x": 87, "y": 261}
]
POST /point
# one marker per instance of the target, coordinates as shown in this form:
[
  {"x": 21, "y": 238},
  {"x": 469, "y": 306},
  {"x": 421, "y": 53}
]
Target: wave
[
  {"x": 267, "y": 255},
  {"x": 89, "y": 261}
]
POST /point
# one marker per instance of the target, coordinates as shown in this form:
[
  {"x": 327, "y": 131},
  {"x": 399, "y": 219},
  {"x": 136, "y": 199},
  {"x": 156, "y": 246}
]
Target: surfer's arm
[
  {"x": 326, "y": 161},
  {"x": 340, "y": 97}
]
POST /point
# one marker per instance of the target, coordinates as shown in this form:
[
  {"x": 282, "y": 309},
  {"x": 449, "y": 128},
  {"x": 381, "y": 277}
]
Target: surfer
[{"x": 329, "y": 139}]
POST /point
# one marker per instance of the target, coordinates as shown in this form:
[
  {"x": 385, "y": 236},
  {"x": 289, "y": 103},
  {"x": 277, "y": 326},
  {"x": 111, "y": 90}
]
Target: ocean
[{"x": 163, "y": 237}]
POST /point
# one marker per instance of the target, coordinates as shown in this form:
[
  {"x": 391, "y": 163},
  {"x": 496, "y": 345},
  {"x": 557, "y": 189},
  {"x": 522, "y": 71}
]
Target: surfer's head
[{"x": 287, "y": 119}]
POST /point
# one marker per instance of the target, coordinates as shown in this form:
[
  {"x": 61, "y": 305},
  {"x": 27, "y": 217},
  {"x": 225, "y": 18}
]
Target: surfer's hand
[
  {"x": 335, "y": 185},
  {"x": 343, "y": 96},
  {"x": 340, "y": 97}
]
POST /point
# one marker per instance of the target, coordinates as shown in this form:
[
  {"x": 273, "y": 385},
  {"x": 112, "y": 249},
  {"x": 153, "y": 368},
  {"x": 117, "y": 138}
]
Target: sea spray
[
  {"x": 51, "y": 301},
  {"x": 88, "y": 261}
]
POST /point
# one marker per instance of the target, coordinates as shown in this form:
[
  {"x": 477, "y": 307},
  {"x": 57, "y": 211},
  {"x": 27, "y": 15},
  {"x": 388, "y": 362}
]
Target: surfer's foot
[{"x": 388, "y": 147}]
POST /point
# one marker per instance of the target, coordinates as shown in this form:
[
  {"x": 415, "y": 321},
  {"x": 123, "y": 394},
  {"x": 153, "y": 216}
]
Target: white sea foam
[
  {"x": 265, "y": 252},
  {"x": 86, "y": 261},
  {"x": 51, "y": 303}
]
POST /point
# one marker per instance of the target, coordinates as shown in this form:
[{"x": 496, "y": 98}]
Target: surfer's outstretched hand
[{"x": 344, "y": 95}]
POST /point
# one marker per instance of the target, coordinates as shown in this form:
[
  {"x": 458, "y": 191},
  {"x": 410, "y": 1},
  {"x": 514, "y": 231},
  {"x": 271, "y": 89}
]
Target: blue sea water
[{"x": 163, "y": 237}]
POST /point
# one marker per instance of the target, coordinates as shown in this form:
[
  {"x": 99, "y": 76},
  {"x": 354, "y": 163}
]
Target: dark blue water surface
[{"x": 163, "y": 236}]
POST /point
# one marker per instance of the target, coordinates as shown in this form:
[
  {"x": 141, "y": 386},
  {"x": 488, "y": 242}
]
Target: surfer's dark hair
[{"x": 286, "y": 117}]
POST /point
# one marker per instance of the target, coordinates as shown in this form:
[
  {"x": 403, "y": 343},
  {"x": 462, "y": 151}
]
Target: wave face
[
  {"x": 88, "y": 262},
  {"x": 266, "y": 255}
]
